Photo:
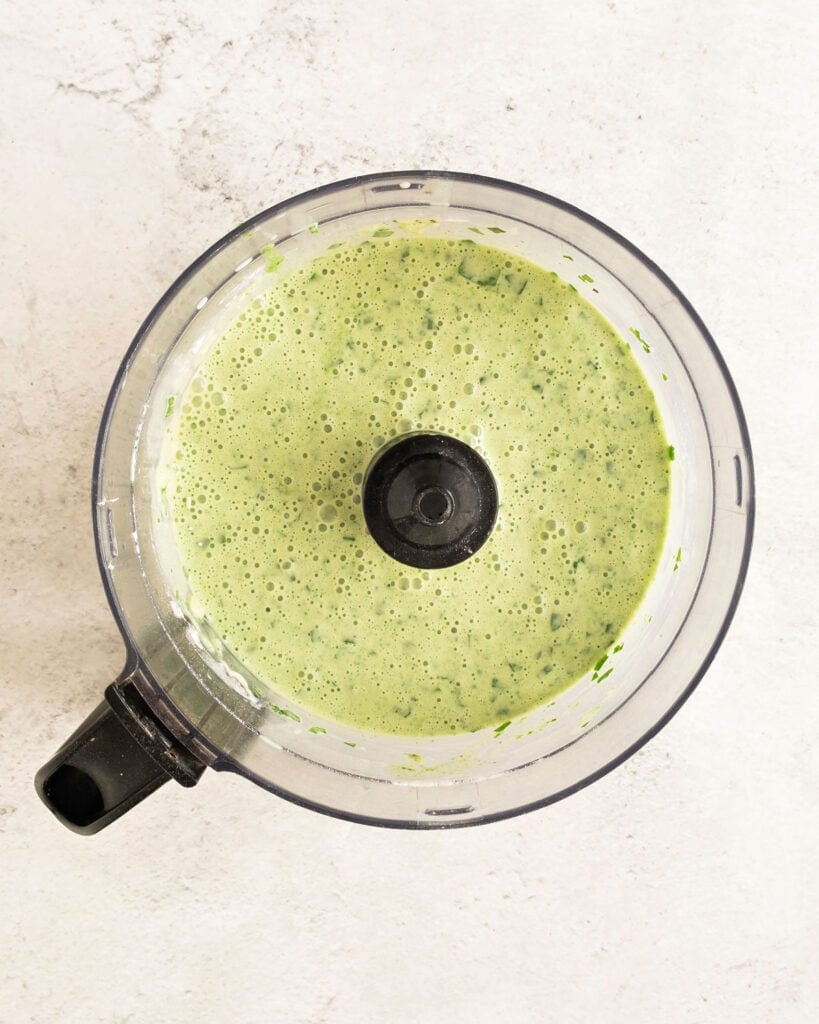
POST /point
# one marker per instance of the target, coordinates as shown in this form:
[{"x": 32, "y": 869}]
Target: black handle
[{"x": 119, "y": 755}]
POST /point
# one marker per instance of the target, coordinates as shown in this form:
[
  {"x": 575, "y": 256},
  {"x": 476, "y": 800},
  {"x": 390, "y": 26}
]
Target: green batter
[{"x": 265, "y": 455}]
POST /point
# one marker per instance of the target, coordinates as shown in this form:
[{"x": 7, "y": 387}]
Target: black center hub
[{"x": 429, "y": 500}]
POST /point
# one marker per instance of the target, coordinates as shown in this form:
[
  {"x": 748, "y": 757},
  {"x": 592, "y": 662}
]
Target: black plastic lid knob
[{"x": 429, "y": 500}]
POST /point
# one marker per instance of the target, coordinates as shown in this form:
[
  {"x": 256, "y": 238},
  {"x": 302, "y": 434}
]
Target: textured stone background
[{"x": 682, "y": 887}]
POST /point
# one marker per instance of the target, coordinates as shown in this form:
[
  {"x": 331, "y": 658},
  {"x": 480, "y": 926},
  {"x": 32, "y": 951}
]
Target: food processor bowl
[{"x": 185, "y": 702}]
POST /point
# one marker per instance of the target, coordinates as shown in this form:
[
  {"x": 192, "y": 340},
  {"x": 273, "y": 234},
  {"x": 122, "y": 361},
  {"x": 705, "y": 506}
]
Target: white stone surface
[{"x": 682, "y": 887}]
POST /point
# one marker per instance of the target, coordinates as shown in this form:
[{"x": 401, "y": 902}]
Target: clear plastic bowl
[{"x": 204, "y": 702}]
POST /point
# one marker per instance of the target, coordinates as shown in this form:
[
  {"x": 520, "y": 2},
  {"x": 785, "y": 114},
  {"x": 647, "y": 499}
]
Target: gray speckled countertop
[{"x": 683, "y": 886}]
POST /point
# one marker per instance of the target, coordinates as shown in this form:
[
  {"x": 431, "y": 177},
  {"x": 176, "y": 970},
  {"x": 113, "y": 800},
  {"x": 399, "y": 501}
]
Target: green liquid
[{"x": 266, "y": 452}]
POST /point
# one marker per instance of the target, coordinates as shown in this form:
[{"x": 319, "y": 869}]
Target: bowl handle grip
[{"x": 119, "y": 755}]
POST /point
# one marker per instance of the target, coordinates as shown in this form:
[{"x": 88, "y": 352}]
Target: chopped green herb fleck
[
  {"x": 587, "y": 278},
  {"x": 516, "y": 282},
  {"x": 313, "y": 229},
  {"x": 601, "y": 663},
  {"x": 677, "y": 559},
  {"x": 317, "y": 730},
  {"x": 274, "y": 259},
  {"x": 500, "y": 728},
  {"x": 284, "y": 712},
  {"x": 478, "y": 271},
  {"x": 169, "y": 406},
  {"x": 665, "y": 376},
  {"x": 496, "y": 231},
  {"x": 347, "y": 743},
  {"x": 566, "y": 256},
  {"x": 641, "y": 339},
  {"x": 383, "y": 232},
  {"x": 605, "y": 675},
  {"x": 671, "y": 453}
]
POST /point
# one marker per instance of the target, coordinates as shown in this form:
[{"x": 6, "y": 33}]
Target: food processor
[{"x": 185, "y": 702}]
